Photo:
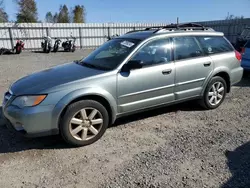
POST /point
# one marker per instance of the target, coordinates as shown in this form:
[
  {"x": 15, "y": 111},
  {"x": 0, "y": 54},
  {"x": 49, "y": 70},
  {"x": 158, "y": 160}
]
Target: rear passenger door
[{"x": 193, "y": 67}]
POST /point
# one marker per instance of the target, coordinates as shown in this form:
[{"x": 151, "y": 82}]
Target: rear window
[
  {"x": 214, "y": 44},
  {"x": 247, "y": 44}
]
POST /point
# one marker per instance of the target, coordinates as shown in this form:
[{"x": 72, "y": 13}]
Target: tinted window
[
  {"x": 110, "y": 54},
  {"x": 214, "y": 45},
  {"x": 186, "y": 47},
  {"x": 155, "y": 52},
  {"x": 247, "y": 44}
]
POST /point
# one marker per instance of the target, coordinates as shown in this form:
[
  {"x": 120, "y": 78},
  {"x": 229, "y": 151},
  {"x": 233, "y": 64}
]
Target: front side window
[
  {"x": 111, "y": 54},
  {"x": 186, "y": 47},
  {"x": 154, "y": 52},
  {"x": 214, "y": 44}
]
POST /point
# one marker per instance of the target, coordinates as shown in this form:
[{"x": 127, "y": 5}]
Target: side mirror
[{"x": 134, "y": 64}]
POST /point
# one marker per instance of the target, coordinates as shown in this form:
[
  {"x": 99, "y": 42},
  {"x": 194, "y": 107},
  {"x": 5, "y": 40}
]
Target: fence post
[
  {"x": 47, "y": 31},
  {"x": 80, "y": 36},
  {"x": 11, "y": 38},
  {"x": 109, "y": 32}
]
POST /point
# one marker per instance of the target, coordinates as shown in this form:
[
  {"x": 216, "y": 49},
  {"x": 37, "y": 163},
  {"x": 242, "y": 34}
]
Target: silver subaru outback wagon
[{"x": 135, "y": 72}]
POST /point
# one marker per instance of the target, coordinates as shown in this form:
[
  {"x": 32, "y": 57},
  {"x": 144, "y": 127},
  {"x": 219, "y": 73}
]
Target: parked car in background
[
  {"x": 132, "y": 73},
  {"x": 242, "y": 39},
  {"x": 246, "y": 56}
]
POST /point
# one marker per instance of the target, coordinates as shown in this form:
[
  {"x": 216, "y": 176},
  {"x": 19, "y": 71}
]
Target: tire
[
  {"x": 217, "y": 95},
  {"x": 73, "y": 49},
  {"x": 246, "y": 74},
  {"x": 18, "y": 49},
  {"x": 48, "y": 50},
  {"x": 74, "y": 111}
]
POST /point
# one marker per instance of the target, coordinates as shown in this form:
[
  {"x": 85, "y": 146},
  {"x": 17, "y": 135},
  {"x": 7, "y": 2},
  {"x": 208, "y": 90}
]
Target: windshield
[{"x": 111, "y": 54}]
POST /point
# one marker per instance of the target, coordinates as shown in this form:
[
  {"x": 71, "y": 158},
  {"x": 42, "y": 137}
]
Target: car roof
[{"x": 172, "y": 30}]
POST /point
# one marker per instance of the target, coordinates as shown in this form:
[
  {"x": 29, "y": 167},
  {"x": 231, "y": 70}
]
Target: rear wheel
[
  {"x": 18, "y": 49},
  {"x": 73, "y": 49},
  {"x": 215, "y": 93},
  {"x": 84, "y": 123}
]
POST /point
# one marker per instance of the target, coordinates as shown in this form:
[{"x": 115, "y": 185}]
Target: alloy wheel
[
  {"x": 86, "y": 124},
  {"x": 216, "y": 93}
]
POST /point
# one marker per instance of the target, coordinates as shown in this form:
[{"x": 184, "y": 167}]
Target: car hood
[{"x": 52, "y": 77}]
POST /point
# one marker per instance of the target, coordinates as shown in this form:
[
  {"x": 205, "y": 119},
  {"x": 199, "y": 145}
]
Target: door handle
[
  {"x": 207, "y": 64},
  {"x": 167, "y": 71}
]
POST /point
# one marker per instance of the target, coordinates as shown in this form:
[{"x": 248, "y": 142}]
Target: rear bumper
[
  {"x": 236, "y": 75},
  {"x": 30, "y": 122}
]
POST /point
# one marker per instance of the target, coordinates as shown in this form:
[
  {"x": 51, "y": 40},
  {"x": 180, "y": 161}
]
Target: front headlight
[{"x": 28, "y": 101}]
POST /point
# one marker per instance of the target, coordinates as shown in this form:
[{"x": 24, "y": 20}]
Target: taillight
[{"x": 238, "y": 55}]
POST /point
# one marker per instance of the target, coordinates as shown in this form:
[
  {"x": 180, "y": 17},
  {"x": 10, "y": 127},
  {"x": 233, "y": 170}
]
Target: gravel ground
[{"x": 178, "y": 146}]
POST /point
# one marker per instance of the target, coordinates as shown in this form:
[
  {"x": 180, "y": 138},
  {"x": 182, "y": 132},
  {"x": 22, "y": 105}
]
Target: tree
[
  {"x": 49, "y": 17},
  {"x": 233, "y": 17},
  {"x": 55, "y": 18},
  {"x": 79, "y": 14},
  {"x": 63, "y": 16},
  {"x": 27, "y": 11},
  {"x": 3, "y": 14}
]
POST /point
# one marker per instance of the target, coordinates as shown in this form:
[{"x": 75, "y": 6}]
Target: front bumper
[{"x": 30, "y": 121}]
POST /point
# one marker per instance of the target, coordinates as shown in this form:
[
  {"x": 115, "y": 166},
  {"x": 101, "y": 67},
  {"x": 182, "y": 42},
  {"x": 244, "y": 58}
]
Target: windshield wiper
[{"x": 92, "y": 66}]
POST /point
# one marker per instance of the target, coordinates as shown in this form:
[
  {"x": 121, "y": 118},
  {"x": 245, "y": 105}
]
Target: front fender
[{"x": 67, "y": 99}]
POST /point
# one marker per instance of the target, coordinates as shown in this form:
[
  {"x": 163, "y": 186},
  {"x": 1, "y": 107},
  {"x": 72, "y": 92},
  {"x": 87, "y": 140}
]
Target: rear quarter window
[{"x": 214, "y": 44}]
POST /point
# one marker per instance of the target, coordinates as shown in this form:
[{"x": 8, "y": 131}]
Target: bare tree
[
  {"x": 63, "y": 16},
  {"x": 233, "y": 17},
  {"x": 49, "y": 17}
]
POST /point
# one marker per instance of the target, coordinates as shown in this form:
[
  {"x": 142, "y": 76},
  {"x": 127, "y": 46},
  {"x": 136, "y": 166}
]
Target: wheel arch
[
  {"x": 222, "y": 72},
  {"x": 226, "y": 77},
  {"x": 103, "y": 97}
]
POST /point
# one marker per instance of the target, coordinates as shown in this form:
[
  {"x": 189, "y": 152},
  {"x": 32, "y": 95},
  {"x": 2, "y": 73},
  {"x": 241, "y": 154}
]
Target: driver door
[{"x": 151, "y": 85}]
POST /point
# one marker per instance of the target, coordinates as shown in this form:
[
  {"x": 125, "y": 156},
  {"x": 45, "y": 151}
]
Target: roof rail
[
  {"x": 173, "y": 27},
  {"x": 185, "y": 26},
  {"x": 134, "y": 31}
]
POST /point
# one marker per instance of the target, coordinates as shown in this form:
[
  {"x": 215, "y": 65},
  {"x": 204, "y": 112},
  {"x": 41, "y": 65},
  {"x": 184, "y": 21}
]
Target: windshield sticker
[
  {"x": 208, "y": 38},
  {"x": 127, "y": 44}
]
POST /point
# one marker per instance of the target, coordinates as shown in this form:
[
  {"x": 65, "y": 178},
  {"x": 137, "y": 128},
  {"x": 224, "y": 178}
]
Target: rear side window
[
  {"x": 186, "y": 47},
  {"x": 214, "y": 44}
]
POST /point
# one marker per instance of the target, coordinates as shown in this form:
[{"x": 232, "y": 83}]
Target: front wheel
[
  {"x": 84, "y": 123},
  {"x": 215, "y": 93}
]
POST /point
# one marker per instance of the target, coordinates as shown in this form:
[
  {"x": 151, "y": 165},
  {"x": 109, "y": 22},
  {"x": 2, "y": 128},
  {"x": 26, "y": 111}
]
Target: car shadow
[
  {"x": 245, "y": 81},
  {"x": 9, "y": 53},
  {"x": 238, "y": 162},
  {"x": 12, "y": 142},
  {"x": 42, "y": 52},
  {"x": 186, "y": 106}
]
